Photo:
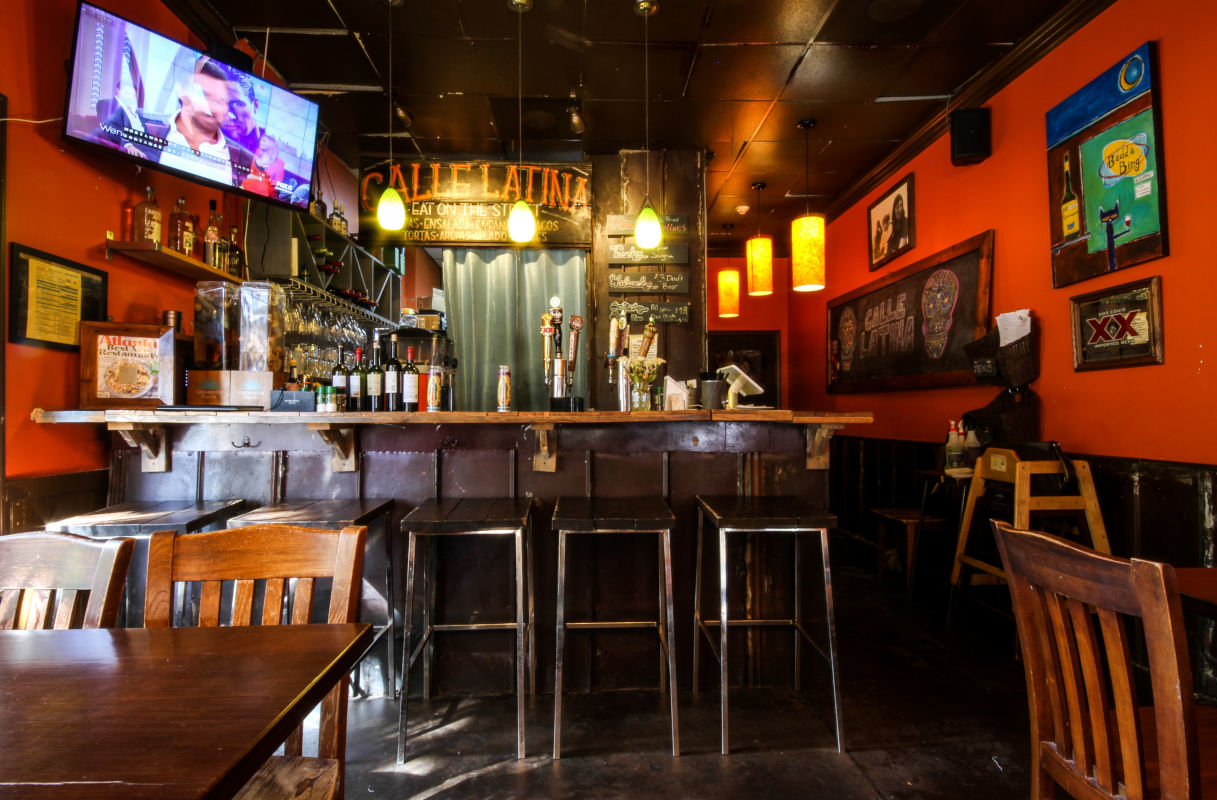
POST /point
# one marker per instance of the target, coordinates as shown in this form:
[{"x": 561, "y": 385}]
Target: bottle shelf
[{"x": 165, "y": 258}]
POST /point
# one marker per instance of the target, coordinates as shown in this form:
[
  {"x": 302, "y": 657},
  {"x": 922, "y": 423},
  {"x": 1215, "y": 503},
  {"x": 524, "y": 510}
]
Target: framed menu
[{"x": 50, "y": 296}]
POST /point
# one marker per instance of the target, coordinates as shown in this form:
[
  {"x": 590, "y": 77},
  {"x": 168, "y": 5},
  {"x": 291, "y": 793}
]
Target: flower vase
[{"x": 640, "y": 396}]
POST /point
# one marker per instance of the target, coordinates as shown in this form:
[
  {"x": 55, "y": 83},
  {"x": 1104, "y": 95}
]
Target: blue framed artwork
[{"x": 1107, "y": 207}]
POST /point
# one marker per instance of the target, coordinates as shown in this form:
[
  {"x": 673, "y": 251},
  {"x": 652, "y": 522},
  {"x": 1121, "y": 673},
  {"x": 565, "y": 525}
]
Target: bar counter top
[{"x": 448, "y": 417}]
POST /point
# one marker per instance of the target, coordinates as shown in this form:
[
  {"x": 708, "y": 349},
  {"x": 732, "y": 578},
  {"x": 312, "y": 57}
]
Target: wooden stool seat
[
  {"x": 336, "y": 514},
  {"x": 913, "y": 522},
  {"x": 507, "y": 516},
  {"x": 619, "y": 515},
  {"x": 138, "y": 519},
  {"x": 780, "y": 514}
]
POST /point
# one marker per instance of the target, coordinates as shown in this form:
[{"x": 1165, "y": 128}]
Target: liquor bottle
[
  {"x": 409, "y": 382},
  {"x": 181, "y": 229},
  {"x": 196, "y": 250},
  {"x": 338, "y": 380},
  {"x": 236, "y": 256},
  {"x": 392, "y": 377},
  {"x": 146, "y": 223},
  {"x": 334, "y": 220},
  {"x": 375, "y": 377},
  {"x": 954, "y": 448},
  {"x": 317, "y": 206},
  {"x": 435, "y": 384},
  {"x": 1070, "y": 223},
  {"x": 357, "y": 379},
  {"x": 215, "y": 246}
]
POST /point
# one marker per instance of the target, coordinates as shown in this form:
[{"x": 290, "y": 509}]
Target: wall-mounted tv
[{"x": 163, "y": 104}]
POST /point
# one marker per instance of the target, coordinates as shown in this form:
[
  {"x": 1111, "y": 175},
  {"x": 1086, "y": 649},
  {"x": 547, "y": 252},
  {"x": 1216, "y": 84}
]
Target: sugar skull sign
[
  {"x": 847, "y": 333},
  {"x": 938, "y": 299}
]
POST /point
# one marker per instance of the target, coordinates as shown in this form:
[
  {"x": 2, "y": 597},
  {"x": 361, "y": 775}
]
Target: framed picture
[
  {"x": 1120, "y": 326},
  {"x": 1106, "y": 203},
  {"x": 123, "y": 365},
  {"x": 756, "y": 354},
  {"x": 908, "y": 329},
  {"x": 50, "y": 296},
  {"x": 891, "y": 230}
]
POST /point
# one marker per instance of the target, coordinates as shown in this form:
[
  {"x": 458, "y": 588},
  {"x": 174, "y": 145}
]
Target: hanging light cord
[
  {"x": 646, "y": 85},
  {"x": 806, "y": 172},
  {"x": 520, "y": 93},
  {"x": 390, "y": 92}
]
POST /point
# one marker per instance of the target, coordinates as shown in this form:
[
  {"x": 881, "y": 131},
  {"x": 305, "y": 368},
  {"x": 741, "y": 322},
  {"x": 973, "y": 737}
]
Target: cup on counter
[{"x": 712, "y": 393}]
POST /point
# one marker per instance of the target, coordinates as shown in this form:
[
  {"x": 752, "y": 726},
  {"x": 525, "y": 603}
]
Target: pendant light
[
  {"x": 648, "y": 232},
  {"x": 521, "y": 224},
  {"x": 728, "y": 284},
  {"x": 807, "y": 232},
  {"x": 760, "y": 255},
  {"x": 391, "y": 211}
]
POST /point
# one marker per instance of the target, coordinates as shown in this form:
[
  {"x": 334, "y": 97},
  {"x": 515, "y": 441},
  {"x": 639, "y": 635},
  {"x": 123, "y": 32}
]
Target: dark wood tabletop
[
  {"x": 760, "y": 512},
  {"x": 158, "y": 713},
  {"x": 612, "y": 514},
  {"x": 316, "y": 513},
  {"x": 147, "y": 516},
  {"x": 1198, "y": 583},
  {"x": 468, "y": 515}
]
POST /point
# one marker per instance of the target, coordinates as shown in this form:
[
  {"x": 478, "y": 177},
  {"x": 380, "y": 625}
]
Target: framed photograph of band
[
  {"x": 891, "y": 230},
  {"x": 1120, "y": 326},
  {"x": 1106, "y": 200}
]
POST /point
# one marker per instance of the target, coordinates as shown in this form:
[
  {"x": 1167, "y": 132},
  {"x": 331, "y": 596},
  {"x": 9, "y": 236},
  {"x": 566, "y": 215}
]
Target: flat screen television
[{"x": 167, "y": 106}]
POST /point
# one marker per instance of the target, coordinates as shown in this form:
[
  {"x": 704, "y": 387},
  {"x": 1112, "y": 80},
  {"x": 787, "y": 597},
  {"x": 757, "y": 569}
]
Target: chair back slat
[
  {"x": 209, "y": 604},
  {"x": 272, "y": 601},
  {"x": 243, "y": 603},
  {"x": 289, "y": 559},
  {"x": 302, "y": 602},
  {"x": 1085, "y": 716},
  {"x": 60, "y": 580}
]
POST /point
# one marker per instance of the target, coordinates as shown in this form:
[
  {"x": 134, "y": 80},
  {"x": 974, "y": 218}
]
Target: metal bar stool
[
  {"x": 582, "y": 515},
  {"x": 468, "y": 517},
  {"x": 138, "y": 519},
  {"x": 339, "y": 514},
  {"x": 731, "y": 514}
]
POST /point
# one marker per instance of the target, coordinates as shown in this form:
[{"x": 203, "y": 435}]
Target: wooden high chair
[{"x": 1005, "y": 466}]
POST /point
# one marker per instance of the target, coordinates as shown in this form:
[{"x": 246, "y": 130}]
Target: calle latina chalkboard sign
[
  {"x": 908, "y": 329},
  {"x": 648, "y": 282},
  {"x": 623, "y": 253},
  {"x": 641, "y": 312}
]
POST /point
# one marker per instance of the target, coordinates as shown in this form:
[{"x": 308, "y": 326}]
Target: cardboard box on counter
[{"x": 228, "y": 388}]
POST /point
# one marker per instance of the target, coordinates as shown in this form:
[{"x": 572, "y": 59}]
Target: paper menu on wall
[{"x": 1013, "y": 325}]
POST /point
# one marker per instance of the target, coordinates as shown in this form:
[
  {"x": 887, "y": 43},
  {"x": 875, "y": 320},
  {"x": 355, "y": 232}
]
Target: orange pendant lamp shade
[
  {"x": 807, "y": 253},
  {"x": 760, "y": 266},
  {"x": 728, "y": 293}
]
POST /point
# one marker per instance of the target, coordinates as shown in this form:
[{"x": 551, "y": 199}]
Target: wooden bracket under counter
[
  {"x": 545, "y": 457},
  {"x": 342, "y": 439},
  {"x": 152, "y": 441}
]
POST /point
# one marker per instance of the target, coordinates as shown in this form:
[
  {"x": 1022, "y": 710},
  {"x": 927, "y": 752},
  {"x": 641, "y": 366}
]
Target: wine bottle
[
  {"x": 356, "y": 383},
  {"x": 146, "y": 226},
  {"x": 338, "y": 380},
  {"x": 392, "y": 377},
  {"x": 375, "y": 377},
  {"x": 1070, "y": 221},
  {"x": 409, "y": 382}
]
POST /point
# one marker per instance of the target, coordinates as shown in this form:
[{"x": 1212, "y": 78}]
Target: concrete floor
[{"x": 930, "y": 713}]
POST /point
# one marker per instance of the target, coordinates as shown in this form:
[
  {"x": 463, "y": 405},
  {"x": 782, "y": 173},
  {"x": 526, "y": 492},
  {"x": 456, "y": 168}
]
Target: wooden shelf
[{"x": 157, "y": 255}]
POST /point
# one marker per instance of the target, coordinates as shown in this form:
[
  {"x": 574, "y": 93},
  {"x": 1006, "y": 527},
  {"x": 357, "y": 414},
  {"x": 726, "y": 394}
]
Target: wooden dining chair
[
  {"x": 287, "y": 560},
  {"x": 60, "y": 580},
  {"x": 1089, "y": 734}
]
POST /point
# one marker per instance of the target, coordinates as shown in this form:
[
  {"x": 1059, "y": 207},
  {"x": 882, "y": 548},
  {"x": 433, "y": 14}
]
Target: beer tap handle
[
  {"x": 547, "y": 346},
  {"x": 648, "y": 336},
  {"x": 572, "y": 349}
]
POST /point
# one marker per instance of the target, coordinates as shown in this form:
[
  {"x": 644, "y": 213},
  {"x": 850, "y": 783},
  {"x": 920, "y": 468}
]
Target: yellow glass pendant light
[
  {"x": 807, "y": 233},
  {"x": 760, "y": 255},
  {"x": 521, "y": 224}
]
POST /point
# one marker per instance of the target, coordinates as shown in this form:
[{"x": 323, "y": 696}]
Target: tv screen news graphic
[{"x": 149, "y": 98}]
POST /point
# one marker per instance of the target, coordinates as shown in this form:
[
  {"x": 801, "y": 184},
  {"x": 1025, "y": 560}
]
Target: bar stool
[
  {"x": 582, "y": 515},
  {"x": 731, "y": 514},
  {"x": 337, "y": 514},
  {"x": 467, "y": 517},
  {"x": 138, "y": 519}
]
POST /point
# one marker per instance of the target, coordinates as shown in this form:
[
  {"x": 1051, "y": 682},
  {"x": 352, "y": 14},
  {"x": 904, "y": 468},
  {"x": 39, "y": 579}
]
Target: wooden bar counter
[{"x": 265, "y": 457}]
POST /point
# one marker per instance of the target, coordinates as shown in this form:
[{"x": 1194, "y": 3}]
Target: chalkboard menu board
[{"x": 907, "y": 330}]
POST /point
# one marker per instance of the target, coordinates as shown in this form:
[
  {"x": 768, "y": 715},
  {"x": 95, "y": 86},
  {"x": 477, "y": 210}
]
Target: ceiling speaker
[{"x": 970, "y": 136}]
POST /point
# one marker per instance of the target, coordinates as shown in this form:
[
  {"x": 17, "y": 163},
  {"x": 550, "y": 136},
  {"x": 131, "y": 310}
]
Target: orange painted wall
[
  {"x": 62, "y": 199},
  {"x": 1157, "y": 412},
  {"x": 766, "y": 313}
]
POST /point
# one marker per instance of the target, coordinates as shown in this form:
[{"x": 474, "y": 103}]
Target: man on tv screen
[{"x": 194, "y": 138}]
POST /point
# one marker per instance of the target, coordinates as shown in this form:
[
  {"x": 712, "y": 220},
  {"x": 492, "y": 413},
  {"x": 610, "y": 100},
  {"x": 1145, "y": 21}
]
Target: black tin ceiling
[{"x": 731, "y": 77}]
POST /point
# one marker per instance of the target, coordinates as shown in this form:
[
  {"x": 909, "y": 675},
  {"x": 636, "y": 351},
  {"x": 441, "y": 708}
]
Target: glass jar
[{"x": 640, "y": 396}]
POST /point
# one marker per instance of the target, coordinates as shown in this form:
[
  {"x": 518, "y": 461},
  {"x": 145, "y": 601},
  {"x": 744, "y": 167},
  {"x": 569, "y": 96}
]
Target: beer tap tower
[{"x": 560, "y": 371}]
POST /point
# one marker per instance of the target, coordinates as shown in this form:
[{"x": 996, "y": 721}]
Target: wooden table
[
  {"x": 1198, "y": 583},
  {"x": 158, "y": 713}
]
